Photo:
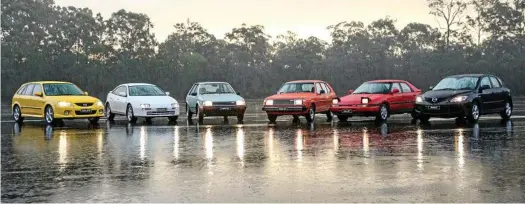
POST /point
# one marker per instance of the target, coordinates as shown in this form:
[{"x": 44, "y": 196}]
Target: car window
[
  {"x": 62, "y": 89},
  {"x": 373, "y": 88},
  {"x": 191, "y": 89},
  {"x": 29, "y": 90},
  {"x": 297, "y": 87},
  {"x": 405, "y": 88},
  {"x": 395, "y": 85},
  {"x": 216, "y": 88},
  {"x": 38, "y": 88},
  {"x": 500, "y": 81},
  {"x": 21, "y": 90},
  {"x": 116, "y": 90},
  {"x": 146, "y": 90},
  {"x": 485, "y": 81},
  {"x": 318, "y": 88},
  {"x": 194, "y": 91},
  {"x": 325, "y": 88},
  {"x": 122, "y": 89},
  {"x": 495, "y": 82}
]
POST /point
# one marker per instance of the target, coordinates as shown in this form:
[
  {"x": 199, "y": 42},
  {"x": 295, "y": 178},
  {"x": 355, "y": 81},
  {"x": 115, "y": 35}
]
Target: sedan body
[
  {"x": 141, "y": 100},
  {"x": 55, "y": 101},
  {"x": 214, "y": 99},
  {"x": 300, "y": 98},
  {"x": 468, "y": 95},
  {"x": 379, "y": 98}
]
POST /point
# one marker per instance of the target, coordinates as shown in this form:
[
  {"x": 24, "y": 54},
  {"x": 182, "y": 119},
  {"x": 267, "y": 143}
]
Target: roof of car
[
  {"x": 49, "y": 82},
  {"x": 388, "y": 80},
  {"x": 308, "y": 81},
  {"x": 212, "y": 82},
  {"x": 137, "y": 84},
  {"x": 470, "y": 75}
]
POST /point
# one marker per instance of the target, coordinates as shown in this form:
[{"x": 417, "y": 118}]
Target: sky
[{"x": 304, "y": 17}]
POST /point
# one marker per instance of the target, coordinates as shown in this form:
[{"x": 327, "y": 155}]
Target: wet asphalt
[{"x": 357, "y": 161}]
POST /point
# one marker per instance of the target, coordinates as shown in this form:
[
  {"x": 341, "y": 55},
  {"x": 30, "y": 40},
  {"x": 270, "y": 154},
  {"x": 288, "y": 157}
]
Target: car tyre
[
  {"x": 383, "y": 113},
  {"x": 310, "y": 117},
  {"x": 17, "y": 114},
  {"x": 189, "y": 114},
  {"x": 474, "y": 113},
  {"x": 342, "y": 118},
  {"x": 240, "y": 117},
  {"x": 329, "y": 116},
  {"x": 49, "y": 115},
  {"x": 109, "y": 115},
  {"x": 414, "y": 115},
  {"x": 506, "y": 113},
  {"x": 130, "y": 115},
  {"x": 200, "y": 115},
  {"x": 423, "y": 117},
  {"x": 272, "y": 118}
]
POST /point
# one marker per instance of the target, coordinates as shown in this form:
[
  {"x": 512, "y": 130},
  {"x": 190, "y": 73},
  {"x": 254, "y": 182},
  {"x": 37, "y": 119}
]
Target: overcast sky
[{"x": 305, "y": 17}]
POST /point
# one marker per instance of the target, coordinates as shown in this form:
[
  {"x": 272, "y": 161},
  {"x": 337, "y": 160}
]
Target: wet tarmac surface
[{"x": 398, "y": 161}]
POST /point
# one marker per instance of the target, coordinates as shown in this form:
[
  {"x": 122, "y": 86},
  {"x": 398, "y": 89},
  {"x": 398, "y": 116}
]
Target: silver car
[{"x": 214, "y": 99}]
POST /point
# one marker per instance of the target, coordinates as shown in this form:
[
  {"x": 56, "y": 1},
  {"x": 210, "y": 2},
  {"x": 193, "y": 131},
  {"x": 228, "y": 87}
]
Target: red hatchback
[{"x": 379, "y": 98}]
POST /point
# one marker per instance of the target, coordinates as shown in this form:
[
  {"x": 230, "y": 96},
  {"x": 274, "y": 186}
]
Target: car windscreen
[
  {"x": 457, "y": 83},
  {"x": 62, "y": 89},
  {"x": 145, "y": 90},
  {"x": 297, "y": 88},
  {"x": 216, "y": 88},
  {"x": 374, "y": 88}
]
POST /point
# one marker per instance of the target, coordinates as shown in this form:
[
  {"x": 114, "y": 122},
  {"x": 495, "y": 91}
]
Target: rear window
[{"x": 21, "y": 90}]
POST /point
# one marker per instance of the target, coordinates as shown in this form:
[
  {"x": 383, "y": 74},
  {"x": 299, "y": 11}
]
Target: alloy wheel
[
  {"x": 475, "y": 112},
  {"x": 49, "y": 115},
  {"x": 130, "y": 113},
  {"x": 16, "y": 113},
  {"x": 508, "y": 109},
  {"x": 384, "y": 112}
]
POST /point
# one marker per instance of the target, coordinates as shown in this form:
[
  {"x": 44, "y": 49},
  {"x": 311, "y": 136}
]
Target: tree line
[{"x": 44, "y": 41}]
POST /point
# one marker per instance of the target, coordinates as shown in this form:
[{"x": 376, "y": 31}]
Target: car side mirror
[
  {"x": 86, "y": 93},
  {"x": 322, "y": 92},
  {"x": 193, "y": 94},
  {"x": 167, "y": 93},
  {"x": 395, "y": 90},
  {"x": 430, "y": 87},
  {"x": 484, "y": 87},
  {"x": 123, "y": 94},
  {"x": 39, "y": 94},
  {"x": 238, "y": 93},
  {"x": 350, "y": 91}
]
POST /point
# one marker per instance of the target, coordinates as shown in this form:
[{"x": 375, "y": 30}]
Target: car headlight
[
  {"x": 459, "y": 99},
  {"x": 144, "y": 105},
  {"x": 241, "y": 103},
  {"x": 298, "y": 102},
  {"x": 269, "y": 102},
  {"x": 174, "y": 105},
  {"x": 335, "y": 101},
  {"x": 365, "y": 100},
  {"x": 99, "y": 103},
  {"x": 64, "y": 104},
  {"x": 419, "y": 99},
  {"x": 207, "y": 103}
]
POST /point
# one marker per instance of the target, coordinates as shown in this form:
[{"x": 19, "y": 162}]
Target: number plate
[
  {"x": 225, "y": 108},
  {"x": 85, "y": 110},
  {"x": 346, "y": 111},
  {"x": 162, "y": 109},
  {"x": 281, "y": 109},
  {"x": 433, "y": 107}
]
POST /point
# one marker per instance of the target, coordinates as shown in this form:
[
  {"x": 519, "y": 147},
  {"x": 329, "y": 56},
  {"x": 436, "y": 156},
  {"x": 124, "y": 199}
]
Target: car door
[
  {"x": 319, "y": 98},
  {"x": 396, "y": 99},
  {"x": 409, "y": 97},
  {"x": 25, "y": 100},
  {"x": 499, "y": 93},
  {"x": 119, "y": 99},
  {"x": 37, "y": 102},
  {"x": 487, "y": 95},
  {"x": 327, "y": 96},
  {"x": 20, "y": 97},
  {"x": 191, "y": 98}
]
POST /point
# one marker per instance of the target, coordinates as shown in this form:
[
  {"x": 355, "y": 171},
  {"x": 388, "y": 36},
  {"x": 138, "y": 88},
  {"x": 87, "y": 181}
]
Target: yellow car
[{"x": 55, "y": 101}]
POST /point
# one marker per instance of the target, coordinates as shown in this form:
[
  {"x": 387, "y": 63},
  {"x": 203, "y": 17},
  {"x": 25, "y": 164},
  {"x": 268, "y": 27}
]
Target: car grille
[
  {"x": 160, "y": 113},
  {"x": 438, "y": 100},
  {"x": 85, "y": 113},
  {"x": 84, "y": 104},
  {"x": 283, "y": 102},
  {"x": 227, "y": 103}
]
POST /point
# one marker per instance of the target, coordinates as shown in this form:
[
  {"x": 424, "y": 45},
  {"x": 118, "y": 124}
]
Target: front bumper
[
  {"x": 444, "y": 110},
  {"x": 286, "y": 110},
  {"x": 222, "y": 110},
  {"x": 156, "y": 111},
  {"x": 75, "y": 112},
  {"x": 355, "y": 110}
]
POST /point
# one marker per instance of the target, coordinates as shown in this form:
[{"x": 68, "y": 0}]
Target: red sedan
[{"x": 379, "y": 98}]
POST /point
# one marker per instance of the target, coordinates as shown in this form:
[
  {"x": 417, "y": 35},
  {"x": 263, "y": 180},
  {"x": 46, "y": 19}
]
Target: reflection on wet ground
[{"x": 285, "y": 162}]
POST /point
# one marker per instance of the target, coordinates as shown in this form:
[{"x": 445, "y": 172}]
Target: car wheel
[
  {"x": 240, "y": 117},
  {"x": 130, "y": 115},
  {"x": 200, "y": 115},
  {"x": 17, "y": 114},
  {"x": 49, "y": 115},
  {"x": 310, "y": 117},
  {"x": 108, "y": 114},
  {"x": 383, "y": 113},
  {"x": 342, "y": 118},
  {"x": 423, "y": 117},
  {"x": 473, "y": 115},
  {"x": 173, "y": 118},
  {"x": 414, "y": 114},
  {"x": 507, "y": 111},
  {"x": 272, "y": 118},
  {"x": 93, "y": 120},
  {"x": 188, "y": 112},
  {"x": 329, "y": 116}
]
